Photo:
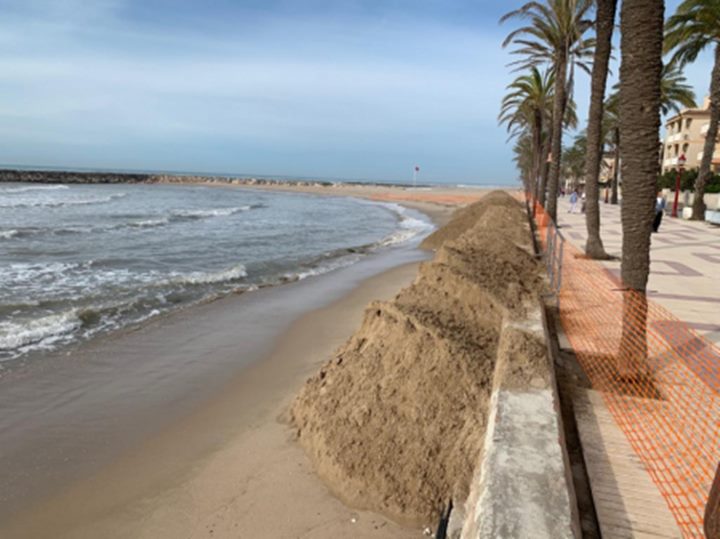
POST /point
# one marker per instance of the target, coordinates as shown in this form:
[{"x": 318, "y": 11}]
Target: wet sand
[{"x": 175, "y": 430}]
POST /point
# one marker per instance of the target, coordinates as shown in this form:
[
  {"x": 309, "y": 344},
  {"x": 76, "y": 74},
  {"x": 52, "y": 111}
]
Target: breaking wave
[
  {"x": 59, "y": 203},
  {"x": 33, "y": 188}
]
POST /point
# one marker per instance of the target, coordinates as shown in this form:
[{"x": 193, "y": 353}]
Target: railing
[
  {"x": 659, "y": 379},
  {"x": 551, "y": 244}
]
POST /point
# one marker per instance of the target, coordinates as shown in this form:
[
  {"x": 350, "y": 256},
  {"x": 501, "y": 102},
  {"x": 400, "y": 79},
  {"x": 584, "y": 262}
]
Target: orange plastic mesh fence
[{"x": 659, "y": 379}]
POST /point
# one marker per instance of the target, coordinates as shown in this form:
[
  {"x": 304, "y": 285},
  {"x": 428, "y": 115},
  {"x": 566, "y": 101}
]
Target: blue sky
[{"x": 343, "y": 89}]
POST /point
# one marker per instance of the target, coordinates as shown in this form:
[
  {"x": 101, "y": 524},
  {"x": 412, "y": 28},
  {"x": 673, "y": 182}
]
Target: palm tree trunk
[
  {"x": 605, "y": 21},
  {"x": 641, "y": 43},
  {"x": 559, "y": 101},
  {"x": 537, "y": 151},
  {"x": 544, "y": 169},
  {"x": 616, "y": 167},
  {"x": 698, "y": 213},
  {"x": 712, "y": 510},
  {"x": 640, "y": 74}
]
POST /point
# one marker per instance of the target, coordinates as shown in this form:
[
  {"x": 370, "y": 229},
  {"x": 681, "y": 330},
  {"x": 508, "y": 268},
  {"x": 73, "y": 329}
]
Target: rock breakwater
[{"x": 80, "y": 177}]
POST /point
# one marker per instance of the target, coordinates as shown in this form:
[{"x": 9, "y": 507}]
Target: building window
[{"x": 688, "y": 123}]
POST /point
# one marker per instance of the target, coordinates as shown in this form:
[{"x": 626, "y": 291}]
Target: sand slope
[{"x": 394, "y": 422}]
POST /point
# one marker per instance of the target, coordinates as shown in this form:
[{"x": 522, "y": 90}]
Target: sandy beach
[
  {"x": 427, "y": 198},
  {"x": 206, "y": 450}
]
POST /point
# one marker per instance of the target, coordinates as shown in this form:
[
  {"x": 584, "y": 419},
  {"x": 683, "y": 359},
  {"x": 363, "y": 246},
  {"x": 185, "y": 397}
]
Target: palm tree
[
  {"x": 524, "y": 158},
  {"x": 695, "y": 26},
  {"x": 526, "y": 107},
  {"x": 571, "y": 122},
  {"x": 555, "y": 36},
  {"x": 573, "y": 164},
  {"x": 641, "y": 24},
  {"x": 675, "y": 94},
  {"x": 611, "y": 128},
  {"x": 604, "y": 24}
]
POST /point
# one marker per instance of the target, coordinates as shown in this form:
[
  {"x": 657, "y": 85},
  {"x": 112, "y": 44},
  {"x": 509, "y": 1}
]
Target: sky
[{"x": 346, "y": 89}]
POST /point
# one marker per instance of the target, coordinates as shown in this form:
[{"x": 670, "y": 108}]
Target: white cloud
[{"x": 291, "y": 85}]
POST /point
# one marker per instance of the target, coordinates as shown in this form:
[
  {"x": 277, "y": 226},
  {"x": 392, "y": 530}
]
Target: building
[
  {"x": 607, "y": 167},
  {"x": 685, "y": 134}
]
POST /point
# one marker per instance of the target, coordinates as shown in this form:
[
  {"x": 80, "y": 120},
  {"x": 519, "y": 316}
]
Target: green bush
[{"x": 687, "y": 181}]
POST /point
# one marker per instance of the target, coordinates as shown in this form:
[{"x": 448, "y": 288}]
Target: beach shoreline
[{"x": 208, "y": 441}]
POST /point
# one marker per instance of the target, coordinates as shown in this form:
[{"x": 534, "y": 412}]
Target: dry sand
[
  {"x": 428, "y": 200},
  {"x": 395, "y": 421}
]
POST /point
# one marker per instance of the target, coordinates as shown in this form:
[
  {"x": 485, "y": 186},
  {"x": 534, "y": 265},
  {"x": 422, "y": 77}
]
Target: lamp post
[{"x": 681, "y": 163}]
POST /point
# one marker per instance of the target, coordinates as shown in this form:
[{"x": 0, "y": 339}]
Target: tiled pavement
[{"x": 685, "y": 263}]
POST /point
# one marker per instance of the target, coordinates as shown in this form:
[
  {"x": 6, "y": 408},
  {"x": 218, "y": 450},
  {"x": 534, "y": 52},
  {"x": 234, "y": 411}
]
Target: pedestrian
[
  {"x": 584, "y": 202},
  {"x": 659, "y": 210},
  {"x": 573, "y": 201}
]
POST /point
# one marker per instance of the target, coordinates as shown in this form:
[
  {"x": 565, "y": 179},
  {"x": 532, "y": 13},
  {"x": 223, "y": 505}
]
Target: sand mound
[
  {"x": 395, "y": 422},
  {"x": 503, "y": 213}
]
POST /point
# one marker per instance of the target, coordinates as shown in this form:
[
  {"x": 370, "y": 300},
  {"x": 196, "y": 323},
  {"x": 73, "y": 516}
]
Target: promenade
[
  {"x": 646, "y": 401},
  {"x": 685, "y": 263}
]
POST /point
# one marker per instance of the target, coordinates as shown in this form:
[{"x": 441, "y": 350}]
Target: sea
[{"x": 78, "y": 261}]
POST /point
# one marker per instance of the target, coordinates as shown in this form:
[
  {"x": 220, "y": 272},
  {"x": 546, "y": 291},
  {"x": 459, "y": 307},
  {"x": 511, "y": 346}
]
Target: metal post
[
  {"x": 680, "y": 161},
  {"x": 677, "y": 194},
  {"x": 559, "y": 270}
]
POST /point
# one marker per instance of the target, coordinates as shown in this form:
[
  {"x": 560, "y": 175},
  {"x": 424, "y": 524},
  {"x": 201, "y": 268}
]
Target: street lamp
[{"x": 681, "y": 163}]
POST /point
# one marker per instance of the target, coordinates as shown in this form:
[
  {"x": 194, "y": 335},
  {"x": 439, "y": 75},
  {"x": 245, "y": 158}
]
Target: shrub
[{"x": 687, "y": 181}]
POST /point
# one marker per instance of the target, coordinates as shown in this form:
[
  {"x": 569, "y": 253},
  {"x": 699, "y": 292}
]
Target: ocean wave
[
  {"x": 321, "y": 269},
  {"x": 23, "y": 232},
  {"x": 46, "y": 332},
  {"x": 215, "y": 212},
  {"x": 234, "y": 273},
  {"x": 10, "y": 233},
  {"x": 21, "y": 272},
  {"x": 33, "y": 188},
  {"x": 41, "y": 331},
  {"x": 409, "y": 226},
  {"x": 149, "y": 223},
  {"x": 59, "y": 203}
]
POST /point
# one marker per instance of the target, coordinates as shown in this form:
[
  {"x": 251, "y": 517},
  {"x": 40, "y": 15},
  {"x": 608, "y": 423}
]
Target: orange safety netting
[{"x": 659, "y": 379}]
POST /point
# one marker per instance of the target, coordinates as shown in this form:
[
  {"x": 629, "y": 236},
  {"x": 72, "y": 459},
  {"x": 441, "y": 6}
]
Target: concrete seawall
[{"x": 522, "y": 486}]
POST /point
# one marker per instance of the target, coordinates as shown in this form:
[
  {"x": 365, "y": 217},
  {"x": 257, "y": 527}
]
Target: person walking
[
  {"x": 573, "y": 201},
  {"x": 659, "y": 210}
]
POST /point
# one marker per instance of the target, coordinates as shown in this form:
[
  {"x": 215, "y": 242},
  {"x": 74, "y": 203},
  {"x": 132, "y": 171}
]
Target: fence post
[
  {"x": 559, "y": 271},
  {"x": 550, "y": 248},
  {"x": 712, "y": 510}
]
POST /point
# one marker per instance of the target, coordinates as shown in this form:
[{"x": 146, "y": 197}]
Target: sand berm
[{"x": 394, "y": 422}]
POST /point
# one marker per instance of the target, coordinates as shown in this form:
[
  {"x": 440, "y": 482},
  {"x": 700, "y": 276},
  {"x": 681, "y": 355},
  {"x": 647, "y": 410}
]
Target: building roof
[{"x": 700, "y": 111}]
